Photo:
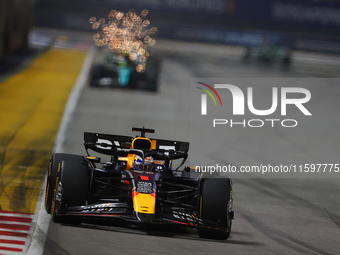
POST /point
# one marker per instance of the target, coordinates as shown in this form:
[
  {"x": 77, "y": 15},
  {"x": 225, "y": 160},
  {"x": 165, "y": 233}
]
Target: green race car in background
[
  {"x": 271, "y": 55},
  {"x": 118, "y": 71}
]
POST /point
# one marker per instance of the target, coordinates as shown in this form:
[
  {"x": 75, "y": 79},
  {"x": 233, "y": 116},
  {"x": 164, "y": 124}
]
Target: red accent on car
[{"x": 134, "y": 193}]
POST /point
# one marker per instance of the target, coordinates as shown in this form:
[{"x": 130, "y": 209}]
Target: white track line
[
  {"x": 16, "y": 215},
  {"x": 13, "y": 230},
  {"x": 41, "y": 220},
  {"x": 10, "y": 245},
  {"x": 15, "y": 223},
  {"x": 15, "y": 238}
]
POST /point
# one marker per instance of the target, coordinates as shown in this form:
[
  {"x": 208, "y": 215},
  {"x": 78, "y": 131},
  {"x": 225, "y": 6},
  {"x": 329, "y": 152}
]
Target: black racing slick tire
[
  {"x": 95, "y": 75},
  {"x": 153, "y": 75},
  {"x": 96, "y": 72},
  {"x": 53, "y": 166},
  {"x": 71, "y": 188},
  {"x": 215, "y": 206}
]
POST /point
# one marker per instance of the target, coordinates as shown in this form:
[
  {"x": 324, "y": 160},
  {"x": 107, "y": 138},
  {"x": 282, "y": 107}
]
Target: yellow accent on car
[
  {"x": 144, "y": 203},
  {"x": 136, "y": 143},
  {"x": 129, "y": 161},
  {"x": 55, "y": 190},
  {"x": 153, "y": 144}
]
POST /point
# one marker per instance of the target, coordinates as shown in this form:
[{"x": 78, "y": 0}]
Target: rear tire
[
  {"x": 95, "y": 75},
  {"x": 71, "y": 186},
  {"x": 216, "y": 205},
  {"x": 55, "y": 160},
  {"x": 153, "y": 74},
  {"x": 96, "y": 72}
]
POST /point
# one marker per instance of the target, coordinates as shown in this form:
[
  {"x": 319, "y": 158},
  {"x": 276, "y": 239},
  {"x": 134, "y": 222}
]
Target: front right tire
[{"x": 216, "y": 206}]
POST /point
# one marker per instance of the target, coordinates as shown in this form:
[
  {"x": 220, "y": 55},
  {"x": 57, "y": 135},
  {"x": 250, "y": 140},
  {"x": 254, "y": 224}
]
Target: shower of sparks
[{"x": 125, "y": 33}]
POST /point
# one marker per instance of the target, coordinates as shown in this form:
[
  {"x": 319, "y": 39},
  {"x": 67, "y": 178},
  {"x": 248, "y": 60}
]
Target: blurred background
[
  {"x": 45, "y": 45},
  {"x": 306, "y": 25}
]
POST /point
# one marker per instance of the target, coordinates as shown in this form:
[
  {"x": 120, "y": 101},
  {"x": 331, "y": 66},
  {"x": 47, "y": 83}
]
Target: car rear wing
[
  {"x": 174, "y": 149},
  {"x": 109, "y": 144},
  {"x": 106, "y": 144}
]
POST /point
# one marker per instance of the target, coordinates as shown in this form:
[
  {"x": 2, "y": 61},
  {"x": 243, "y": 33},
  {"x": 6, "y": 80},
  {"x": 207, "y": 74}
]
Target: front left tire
[{"x": 70, "y": 189}]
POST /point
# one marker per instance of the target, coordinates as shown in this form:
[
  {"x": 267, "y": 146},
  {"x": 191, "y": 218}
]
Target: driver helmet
[{"x": 149, "y": 165}]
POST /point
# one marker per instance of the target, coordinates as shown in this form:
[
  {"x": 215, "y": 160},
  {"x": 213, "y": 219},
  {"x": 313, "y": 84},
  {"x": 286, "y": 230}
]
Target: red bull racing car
[{"x": 138, "y": 184}]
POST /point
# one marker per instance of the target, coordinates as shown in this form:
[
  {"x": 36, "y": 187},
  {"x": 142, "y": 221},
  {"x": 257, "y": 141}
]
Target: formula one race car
[
  {"x": 138, "y": 185},
  {"x": 118, "y": 71},
  {"x": 270, "y": 55}
]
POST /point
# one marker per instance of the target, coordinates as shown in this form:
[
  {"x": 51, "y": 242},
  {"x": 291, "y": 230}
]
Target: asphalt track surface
[{"x": 272, "y": 215}]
